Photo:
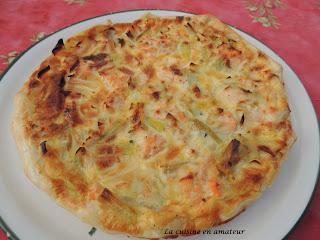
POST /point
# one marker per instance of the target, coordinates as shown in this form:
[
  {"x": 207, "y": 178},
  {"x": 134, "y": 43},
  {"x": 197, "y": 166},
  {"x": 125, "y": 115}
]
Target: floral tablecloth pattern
[{"x": 290, "y": 27}]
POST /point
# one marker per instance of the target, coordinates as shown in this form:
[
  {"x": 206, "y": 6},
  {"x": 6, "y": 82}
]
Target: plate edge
[{"x": 12, "y": 236}]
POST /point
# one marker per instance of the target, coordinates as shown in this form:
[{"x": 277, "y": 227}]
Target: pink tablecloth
[{"x": 290, "y": 27}]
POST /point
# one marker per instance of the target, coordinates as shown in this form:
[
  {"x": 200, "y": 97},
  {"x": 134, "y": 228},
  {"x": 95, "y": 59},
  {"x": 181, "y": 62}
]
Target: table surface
[{"x": 290, "y": 27}]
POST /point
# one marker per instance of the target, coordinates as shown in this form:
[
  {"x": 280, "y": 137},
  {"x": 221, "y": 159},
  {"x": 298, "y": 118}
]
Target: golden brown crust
[{"x": 127, "y": 125}]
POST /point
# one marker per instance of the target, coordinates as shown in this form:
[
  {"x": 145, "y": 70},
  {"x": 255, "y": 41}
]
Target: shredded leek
[
  {"x": 217, "y": 42},
  {"x": 184, "y": 50},
  {"x": 204, "y": 54},
  {"x": 155, "y": 124},
  {"x": 73, "y": 191},
  {"x": 128, "y": 148},
  {"x": 143, "y": 33},
  {"x": 204, "y": 127},
  {"x": 192, "y": 79},
  {"x": 173, "y": 167},
  {"x": 218, "y": 64},
  {"x": 115, "y": 126}
]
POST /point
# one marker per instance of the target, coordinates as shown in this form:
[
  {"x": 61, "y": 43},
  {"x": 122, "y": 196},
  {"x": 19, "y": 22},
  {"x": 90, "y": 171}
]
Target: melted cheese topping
[{"x": 162, "y": 123}]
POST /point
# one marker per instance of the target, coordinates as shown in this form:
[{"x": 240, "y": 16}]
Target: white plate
[{"x": 31, "y": 214}]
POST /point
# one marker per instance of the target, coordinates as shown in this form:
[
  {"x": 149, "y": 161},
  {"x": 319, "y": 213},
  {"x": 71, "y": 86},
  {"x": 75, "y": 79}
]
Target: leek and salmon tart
[{"x": 162, "y": 123}]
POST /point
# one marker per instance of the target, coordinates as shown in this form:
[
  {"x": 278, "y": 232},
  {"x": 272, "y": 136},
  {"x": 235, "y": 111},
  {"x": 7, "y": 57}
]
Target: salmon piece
[
  {"x": 172, "y": 152},
  {"x": 153, "y": 144},
  {"x": 214, "y": 186},
  {"x": 229, "y": 51},
  {"x": 181, "y": 116}
]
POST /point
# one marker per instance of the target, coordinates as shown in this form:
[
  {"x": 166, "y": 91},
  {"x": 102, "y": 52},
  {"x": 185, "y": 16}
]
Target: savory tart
[{"x": 164, "y": 123}]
